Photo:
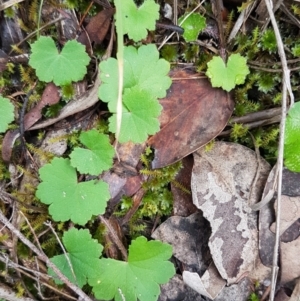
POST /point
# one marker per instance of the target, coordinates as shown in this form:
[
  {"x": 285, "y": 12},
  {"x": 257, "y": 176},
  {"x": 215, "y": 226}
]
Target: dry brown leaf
[
  {"x": 290, "y": 214},
  {"x": 182, "y": 200},
  {"x": 222, "y": 182},
  {"x": 188, "y": 239},
  {"x": 266, "y": 217},
  {"x": 193, "y": 114},
  {"x": 209, "y": 285},
  {"x": 50, "y": 96},
  {"x": 176, "y": 290},
  {"x": 290, "y": 263}
]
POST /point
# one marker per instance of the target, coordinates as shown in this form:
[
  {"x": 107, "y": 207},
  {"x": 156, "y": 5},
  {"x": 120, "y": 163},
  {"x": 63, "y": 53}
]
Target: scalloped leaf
[
  {"x": 97, "y": 157},
  {"x": 142, "y": 68},
  {"x": 61, "y": 68},
  {"x": 192, "y": 26},
  {"x": 145, "y": 16},
  {"x": 147, "y": 267},
  {"x": 84, "y": 255},
  {"x": 67, "y": 198},
  {"x": 227, "y": 76},
  {"x": 139, "y": 116}
]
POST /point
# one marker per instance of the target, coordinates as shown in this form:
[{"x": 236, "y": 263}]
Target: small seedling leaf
[
  {"x": 84, "y": 256},
  {"x": 145, "y": 16},
  {"x": 230, "y": 75},
  {"x": 7, "y": 113},
  {"x": 291, "y": 139},
  {"x": 61, "y": 68},
  {"x": 142, "y": 68},
  {"x": 192, "y": 26},
  {"x": 139, "y": 116},
  {"x": 138, "y": 278},
  {"x": 97, "y": 158},
  {"x": 67, "y": 198}
]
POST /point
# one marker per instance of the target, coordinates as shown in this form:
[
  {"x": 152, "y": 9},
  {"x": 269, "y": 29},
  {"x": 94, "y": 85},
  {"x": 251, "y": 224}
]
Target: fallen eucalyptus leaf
[
  {"x": 222, "y": 187},
  {"x": 193, "y": 114}
]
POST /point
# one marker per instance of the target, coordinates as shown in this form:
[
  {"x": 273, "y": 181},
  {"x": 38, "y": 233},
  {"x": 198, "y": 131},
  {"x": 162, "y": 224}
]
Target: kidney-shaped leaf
[
  {"x": 227, "y": 76},
  {"x": 61, "y": 68},
  {"x": 147, "y": 267},
  {"x": 98, "y": 156},
  {"x": 67, "y": 198},
  {"x": 193, "y": 114},
  {"x": 145, "y": 16}
]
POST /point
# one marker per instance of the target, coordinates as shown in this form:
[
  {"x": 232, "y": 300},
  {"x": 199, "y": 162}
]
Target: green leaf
[
  {"x": 139, "y": 116},
  {"x": 291, "y": 139},
  {"x": 227, "y": 77},
  {"x": 97, "y": 158},
  {"x": 61, "y": 68},
  {"x": 142, "y": 68},
  {"x": 7, "y": 113},
  {"x": 147, "y": 267},
  {"x": 67, "y": 198},
  {"x": 192, "y": 26},
  {"x": 136, "y": 20},
  {"x": 84, "y": 255}
]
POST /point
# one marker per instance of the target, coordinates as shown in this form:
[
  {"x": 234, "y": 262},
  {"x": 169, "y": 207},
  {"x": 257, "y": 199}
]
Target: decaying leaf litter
[{"x": 223, "y": 249}]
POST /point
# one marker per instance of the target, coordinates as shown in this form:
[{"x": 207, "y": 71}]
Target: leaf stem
[{"x": 120, "y": 58}]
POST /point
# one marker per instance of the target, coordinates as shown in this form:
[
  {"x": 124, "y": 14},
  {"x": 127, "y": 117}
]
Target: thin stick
[
  {"x": 44, "y": 258},
  {"x": 22, "y": 269},
  {"x": 171, "y": 35},
  {"x": 281, "y": 52},
  {"x": 286, "y": 86},
  {"x": 279, "y": 169},
  {"x": 114, "y": 236},
  {"x": 32, "y": 231},
  {"x": 48, "y": 224},
  {"x": 9, "y": 3}
]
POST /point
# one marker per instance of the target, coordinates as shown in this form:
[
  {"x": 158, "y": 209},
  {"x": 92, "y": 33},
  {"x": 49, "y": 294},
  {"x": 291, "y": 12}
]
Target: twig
[
  {"x": 272, "y": 70},
  {"x": 241, "y": 20},
  {"x": 31, "y": 229},
  {"x": 281, "y": 52},
  {"x": 34, "y": 32},
  {"x": 258, "y": 168},
  {"x": 114, "y": 236},
  {"x": 279, "y": 168},
  {"x": 171, "y": 35},
  {"x": 48, "y": 224},
  {"x": 22, "y": 270},
  {"x": 286, "y": 86},
  {"x": 21, "y": 118},
  {"x": 9, "y": 3},
  {"x": 44, "y": 258}
]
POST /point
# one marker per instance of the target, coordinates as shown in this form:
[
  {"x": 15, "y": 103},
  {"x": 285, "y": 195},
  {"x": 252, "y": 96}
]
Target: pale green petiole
[{"x": 120, "y": 58}]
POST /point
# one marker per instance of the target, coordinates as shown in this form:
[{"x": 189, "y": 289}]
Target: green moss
[
  {"x": 169, "y": 52},
  {"x": 68, "y": 91},
  {"x": 268, "y": 41}
]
